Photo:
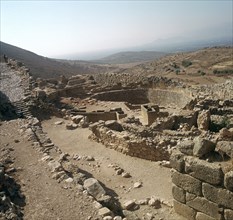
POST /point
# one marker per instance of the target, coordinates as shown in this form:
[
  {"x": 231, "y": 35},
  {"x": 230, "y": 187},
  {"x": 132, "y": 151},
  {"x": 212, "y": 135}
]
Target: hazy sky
[{"x": 53, "y": 28}]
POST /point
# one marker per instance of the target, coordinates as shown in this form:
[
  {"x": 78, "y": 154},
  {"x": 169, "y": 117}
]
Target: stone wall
[
  {"x": 128, "y": 144},
  {"x": 135, "y": 96},
  {"x": 201, "y": 190},
  {"x": 165, "y": 97}
]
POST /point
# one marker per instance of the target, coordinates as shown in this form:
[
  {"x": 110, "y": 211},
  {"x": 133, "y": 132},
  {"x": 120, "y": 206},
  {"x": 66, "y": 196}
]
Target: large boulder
[
  {"x": 202, "y": 147},
  {"x": 94, "y": 188}
]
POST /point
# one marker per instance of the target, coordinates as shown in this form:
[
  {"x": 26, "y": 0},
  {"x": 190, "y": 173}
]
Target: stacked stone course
[{"x": 201, "y": 190}]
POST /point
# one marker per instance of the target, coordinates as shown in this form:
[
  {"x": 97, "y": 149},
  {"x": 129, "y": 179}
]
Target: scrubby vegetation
[
  {"x": 186, "y": 63},
  {"x": 227, "y": 71}
]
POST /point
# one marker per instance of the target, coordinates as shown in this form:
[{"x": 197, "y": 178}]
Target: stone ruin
[{"x": 190, "y": 126}]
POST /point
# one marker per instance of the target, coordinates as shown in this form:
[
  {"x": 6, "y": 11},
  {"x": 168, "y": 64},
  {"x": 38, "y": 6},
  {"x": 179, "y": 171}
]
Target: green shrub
[
  {"x": 227, "y": 71},
  {"x": 186, "y": 63}
]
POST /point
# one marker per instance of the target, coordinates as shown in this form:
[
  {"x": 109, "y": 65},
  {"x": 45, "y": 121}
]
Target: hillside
[
  {"x": 203, "y": 66},
  {"x": 131, "y": 57},
  {"x": 44, "y": 67}
]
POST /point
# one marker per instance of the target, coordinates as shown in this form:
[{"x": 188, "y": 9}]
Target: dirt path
[
  {"x": 46, "y": 199},
  {"x": 156, "y": 180}
]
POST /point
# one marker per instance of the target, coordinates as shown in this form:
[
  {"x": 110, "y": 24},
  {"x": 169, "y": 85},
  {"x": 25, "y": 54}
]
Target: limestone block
[
  {"x": 178, "y": 194},
  {"x": 202, "y": 216},
  {"x": 184, "y": 210},
  {"x": 189, "y": 197},
  {"x": 228, "y": 180},
  {"x": 94, "y": 188},
  {"x": 177, "y": 161},
  {"x": 225, "y": 147},
  {"x": 186, "y": 147},
  {"x": 203, "y": 205},
  {"x": 203, "y": 120},
  {"x": 187, "y": 183},
  {"x": 218, "y": 195},
  {"x": 104, "y": 212},
  {"x": 202, "y": 146},
  {"x": 228, "y": 214},
  {"x": 203, "y": 170}
]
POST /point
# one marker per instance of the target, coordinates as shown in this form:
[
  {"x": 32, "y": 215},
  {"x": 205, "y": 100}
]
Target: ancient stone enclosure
[{"x": 188, "y": 128}]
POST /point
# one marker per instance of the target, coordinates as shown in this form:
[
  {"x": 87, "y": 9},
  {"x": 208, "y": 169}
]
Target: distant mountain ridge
[
  {"x": 44, "y": 67},
  {"x": 131, "y": 57}
]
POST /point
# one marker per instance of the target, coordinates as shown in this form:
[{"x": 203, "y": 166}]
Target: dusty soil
[
  {"x": 45, "y": 198},
  {"x": 155, "y": 179}
]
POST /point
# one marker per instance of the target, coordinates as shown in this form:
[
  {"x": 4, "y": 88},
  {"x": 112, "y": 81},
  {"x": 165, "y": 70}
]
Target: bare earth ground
[
  {"x": 156, "y": 180},
  {"x": 46, "y": 199}
]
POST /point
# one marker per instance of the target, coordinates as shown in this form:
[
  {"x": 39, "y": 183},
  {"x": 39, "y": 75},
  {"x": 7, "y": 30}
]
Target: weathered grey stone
[
  {"x": 104, "y": 212},
  {"x": 55, "y": 166},
  {"x": 94, "y": 188},
  {"x": 178, "y": 194},
  {"x": 129, "y": 205},
  {"x": 225, "y": 147},
  {"x": 203, "y": 120},
  {"x": 202, "y": 147},
  {"x": 187, "y": 183},
  {"x": 203, "y": 170},
  {"x": 226, "y": 134},
  {"x": 218, "y": 195},
  {"x": 228, "y": 214},
  {"x": 203, "y": 205},
  {"x": 184, "y": 210},
  {"x": 77, "y": 118},
  {"x": 190, "y": 196},
  {"x": 155, "y": 203},
  {"x": 177, "y": 161},
  {"x": 186, "y": 147},
  {"x": 228, "y": 180},
  {"x": 202, "y": 216}
]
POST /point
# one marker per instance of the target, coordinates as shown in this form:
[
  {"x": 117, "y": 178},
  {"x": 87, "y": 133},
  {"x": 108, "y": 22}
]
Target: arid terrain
[{"x": 140, "y": 141}]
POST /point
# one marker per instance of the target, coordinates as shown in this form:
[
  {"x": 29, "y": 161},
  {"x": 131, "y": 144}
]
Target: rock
[
  {"x": 69, "y": 180},
  {"x": 119, "y": 171},
  {"x": 125, "y": 175},
  {"x": 76, "y": 119},
  {"x": 104, "y": 212},
  {"x": 137, "y": 185},
  {"x": 186, "y": 147},
  {"x": 71, "y": 126},
  {"x": 129, "y": 205},
  {"x": 113, "y": 125},
  {"x": 130, "y": 215},
  {"x": 202, "y": 147},
  {"x": 225, "y": 133},
  {"x": 225, "y": 148},
  {"x": 203, "y": 120},
  {"x": 97, "y": 205},
  {"x": 58, "y": 122},
  {"x": 94, "y": 188},
  {"x": 228, "y": 180},
  {"x": 155, "y": 203},
  {"x": 117, "y": 218},
  {"x": 165, "y": 163},
  {"x": 143, "y": 201},
  {"x": 107, "y": 218},
  {"x": 90, "y": 158},
  {"x": 55, "y": 166}
]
